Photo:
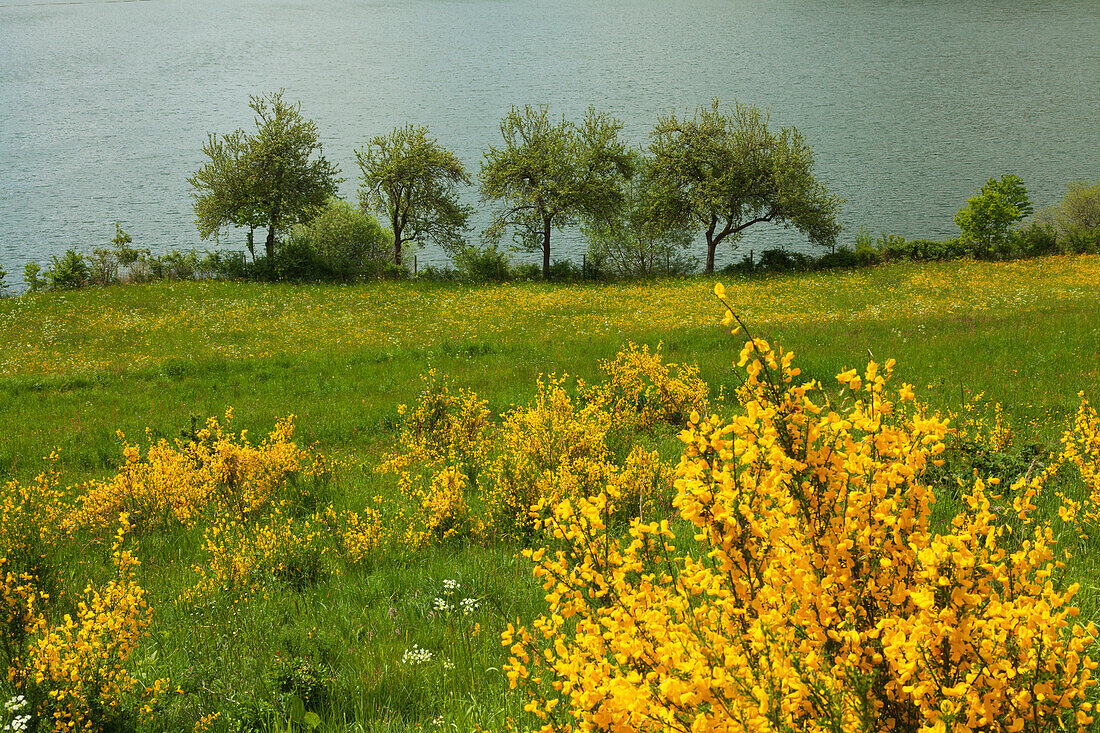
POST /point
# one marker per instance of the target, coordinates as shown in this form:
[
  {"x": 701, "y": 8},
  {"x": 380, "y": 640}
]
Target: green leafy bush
[
  {"x": 348, "y": 244},
  {"x": 990, "y": 213},
  {"x": 32, "y": 276},
  {"x": 482, "y": 264},
  {"x": 70, "y": 271}
]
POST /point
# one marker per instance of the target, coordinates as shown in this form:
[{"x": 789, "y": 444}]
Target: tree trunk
[
  {"x": 269, "y": 248},
  {"x": 712, "y": 244},
  {"x": 397, "y": 229},
  {"x": 546, "y": 249}
]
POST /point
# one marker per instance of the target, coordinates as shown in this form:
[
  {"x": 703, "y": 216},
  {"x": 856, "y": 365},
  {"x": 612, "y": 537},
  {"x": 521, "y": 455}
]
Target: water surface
[{"x": 910, "y": 106}]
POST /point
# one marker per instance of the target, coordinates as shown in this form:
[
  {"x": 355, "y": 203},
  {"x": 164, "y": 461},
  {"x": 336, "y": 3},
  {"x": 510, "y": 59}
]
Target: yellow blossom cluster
[
  {"x": 811, "y": 592},
  {"x": 177, "y": 482},
  {"x": 442, "y": 428},
  {"x": 641, "y": 390},
  {"x": 75, "y": 670},
  {"x": 548, "y": 450},
  {"x": 242, "y": 555},
  {"x": 1081, "y": 448},
  {"x": 465, "y": 475}
]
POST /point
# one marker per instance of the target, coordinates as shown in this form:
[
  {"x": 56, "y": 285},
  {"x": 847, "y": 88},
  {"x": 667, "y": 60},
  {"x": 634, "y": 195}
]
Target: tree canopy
[
  {"x": 414, "y": 181},
  {"x": 991, "y": 211},
  {"x": 274, "y": 178},
  {"x": 548, "y": 175},
  {"x": 635, "y": 241},
  {"x": 723, "y": 171}
]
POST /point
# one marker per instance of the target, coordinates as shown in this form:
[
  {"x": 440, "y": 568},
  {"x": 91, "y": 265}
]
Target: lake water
[{"x": 909, "y": 105}]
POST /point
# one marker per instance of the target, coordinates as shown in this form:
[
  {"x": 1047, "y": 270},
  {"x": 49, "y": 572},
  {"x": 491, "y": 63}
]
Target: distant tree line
[
  {"x": 715, "y": 173},
  {"x": 718, "y": 173}
]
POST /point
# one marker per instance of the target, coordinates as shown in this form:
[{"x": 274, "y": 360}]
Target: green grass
[{"x": 79, "y": 366}]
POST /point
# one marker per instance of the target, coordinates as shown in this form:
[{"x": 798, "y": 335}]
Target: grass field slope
[{"x": 237, "y": 506}]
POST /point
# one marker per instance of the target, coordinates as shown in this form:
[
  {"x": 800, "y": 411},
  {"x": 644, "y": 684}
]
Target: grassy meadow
[{"x": 403, "y": 635}]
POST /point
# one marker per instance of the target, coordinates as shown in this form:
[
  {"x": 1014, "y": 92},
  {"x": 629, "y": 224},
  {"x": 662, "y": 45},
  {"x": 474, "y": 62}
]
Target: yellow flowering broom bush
[
  {"x": 442, "y": 428},
  {"x": 74, "y": 671},
  {"x": 463, "y": 475},
  {"x": 1081, "y": 447},
  {"x": 175, "y": 482},
  {"x": 813, "y": 595},
  {"x": 641, "y": 390}
]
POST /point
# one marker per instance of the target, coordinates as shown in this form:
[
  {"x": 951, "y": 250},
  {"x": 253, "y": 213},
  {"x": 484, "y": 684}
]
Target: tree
[
  {"x": 549, "y": 175},
  {"x": 725, "y": 171},
  {"x": 991, "y": 211},
  {"x": 413, "y": 180},
  {"x": 269, "y": 179},
  {"x": 631, "y": 237}
]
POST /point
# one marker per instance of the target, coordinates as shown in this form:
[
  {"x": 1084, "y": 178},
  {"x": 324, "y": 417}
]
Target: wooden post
[
  {"x": 414, "y": 265},
  {"x": 584, "y": 266}
]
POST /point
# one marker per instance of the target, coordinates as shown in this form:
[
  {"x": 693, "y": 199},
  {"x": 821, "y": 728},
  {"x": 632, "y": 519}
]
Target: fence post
[{"x": 414, "y": 265}]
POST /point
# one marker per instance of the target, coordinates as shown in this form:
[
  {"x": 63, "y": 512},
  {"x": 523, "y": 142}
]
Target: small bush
[
  {"x": 780, "y": 260},
  {"x": 1036, "y": 240},
  {"x": 71, "y": 271},
  {"x": 527, "y": 271},
  {"x": 564, "y": 270},
  {"x": 488, "y": 264},
  {"x": 430, "y": 273},
  {"x": 299, "y": 261},
  {"x": 31, "y": 276},
  {"x": 347, "y": 244},
  {"x": 842, "y": 257}
]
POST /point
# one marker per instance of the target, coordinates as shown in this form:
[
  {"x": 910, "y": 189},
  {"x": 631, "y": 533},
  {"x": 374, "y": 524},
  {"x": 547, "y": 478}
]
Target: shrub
[
  {"x": 780, "y": 260},
  {"x": 175, "y": 483},
  {"x": 3, "y": 281},
  {"x": 487, "y": 264},
  {"x": 866, "y": 251},
  {"x": 564, "y": 270},
  {"x": 990, "y": 213},
  {"x": 1082, "y": 241},
  {"x": 71, "y": 271},
  {"x": 31, "y": 277},
  {"x": 811, "y": 591},
  {"x": 1081, "y": 205},
  {"x": 843, "y": 257},
  {"x": 527, "y": 271},
  {"x": 297, "y": 260},
  {"x": 431, "y": 273},
  {"x": 225, "y": 265},
  {"x": 642, "y": 390},
  {"x": 349, "y": 244},
  {"x": 1036, "y": 240}
]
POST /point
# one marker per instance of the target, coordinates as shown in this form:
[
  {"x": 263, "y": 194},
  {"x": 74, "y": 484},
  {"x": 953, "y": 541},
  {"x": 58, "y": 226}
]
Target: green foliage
[
  {"x": 31, "y": 276},
  {"x": 269, "y": 179},
  {"x": 549, "y": 175},
  {"x": 69, "y": 272},
  {"x": 414, "y": 181},
  {"x": 723, "y": 171},
  {"x": 1074, "y": 222},
  {"x": 1082, "y": 204},
  {"x": 483, "y": 264},
  {"x": 3, "y": 281},
  {"x": 346, "y": 243},
  {"x": 990, "y": 213},
  {"x": 629, "y": 237}
]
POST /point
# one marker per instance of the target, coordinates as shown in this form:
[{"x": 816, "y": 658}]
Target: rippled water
[{"x": 910, "y": 106}]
